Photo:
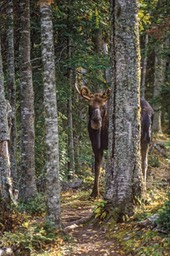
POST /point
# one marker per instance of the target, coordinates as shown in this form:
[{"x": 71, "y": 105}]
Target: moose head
[{"x": 97, "y": 105}]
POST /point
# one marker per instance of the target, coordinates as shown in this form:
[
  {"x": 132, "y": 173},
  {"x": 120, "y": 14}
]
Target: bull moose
[{"x": 98, "y": 129}]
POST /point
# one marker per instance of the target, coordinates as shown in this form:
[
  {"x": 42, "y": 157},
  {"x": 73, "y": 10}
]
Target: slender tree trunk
[
  {"x": 27, "y": 183},
  {"x": 167, "y": 68},
  {"x": 12, "y": 90},
  {"x": 107, "y": 72},
  {"x": 51, "y": 121},
  {"x": 77, "y": 153},
  {"x": 143, "y": 80},
  {"x": 124, "y": 174},
  {"x": 6, "y": 193},
  {"x": 71, "y": 153},
  {"x": 159, "y": 78},
  {"x": 97, "y": 39},
  {"x": 78, "y": 79}
]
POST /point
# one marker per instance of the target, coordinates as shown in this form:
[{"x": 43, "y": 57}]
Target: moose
[{"x": 98, "y": 129}]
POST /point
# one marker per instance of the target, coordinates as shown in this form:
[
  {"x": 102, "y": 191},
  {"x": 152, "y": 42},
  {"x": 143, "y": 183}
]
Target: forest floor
[
  {"x": 87, "y": 238},
  {"x": 137, "y": 235},
  {"x": 85, "y": 231}
]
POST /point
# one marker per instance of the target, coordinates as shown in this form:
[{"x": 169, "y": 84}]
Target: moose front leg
[
  {"x": 144, "y": 158},
  {"x": 98, "y": 160}
]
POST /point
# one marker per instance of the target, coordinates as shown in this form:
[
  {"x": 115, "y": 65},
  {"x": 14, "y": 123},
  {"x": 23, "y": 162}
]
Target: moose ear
[{"x": 106, "y": 94}]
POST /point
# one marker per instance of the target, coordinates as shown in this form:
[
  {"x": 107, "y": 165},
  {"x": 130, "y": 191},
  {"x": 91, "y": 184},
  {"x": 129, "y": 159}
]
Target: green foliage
[
  {"x": 167, "y": 145},
  {"x": 105, "y": 213},
  {"x": 164, "y": 215},
  {"x": 99, "y": 210},
  {"x": 142, "y": 242},
  {"x": 35, "y": 205},
  {"x": 29, "y": 238},
  {"x": 137, "y": 239},
  {"x": 154, "y": 161}
]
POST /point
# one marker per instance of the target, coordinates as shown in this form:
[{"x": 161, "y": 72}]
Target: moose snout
[{"x": 96, "y": 120}]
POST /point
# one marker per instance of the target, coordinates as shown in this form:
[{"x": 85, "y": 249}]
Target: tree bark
[
  {"x": 27, "y": 182},
  {"x": 159, "y": 78},
  {"x": 107, "y": 72},
  {"x": 144, "y": 67},
  {"x": 51, "y": 121},
  {"x": 97, "y": 39},
  {"x": 71, "y": 153},
  {"x": 124, "y": 174},
  {"x": 12, "y": 91},
  {"x": 6, "y": 193}
]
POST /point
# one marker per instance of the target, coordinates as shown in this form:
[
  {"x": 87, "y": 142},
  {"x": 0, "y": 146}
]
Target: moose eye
[{"x": 103, "y": 107}]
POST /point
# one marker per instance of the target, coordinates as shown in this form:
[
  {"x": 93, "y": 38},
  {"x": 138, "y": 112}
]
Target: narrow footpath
[{"x": 86, "y": 239}]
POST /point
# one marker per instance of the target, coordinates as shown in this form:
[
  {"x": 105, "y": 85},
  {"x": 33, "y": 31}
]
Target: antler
[
  {"x": 106, "y": 94},
  {"x": 84, "y": 91},
  {"x": 76, "y": 86}
]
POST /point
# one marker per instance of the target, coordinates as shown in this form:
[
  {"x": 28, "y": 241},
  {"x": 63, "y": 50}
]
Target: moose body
[{"x": 98, "y": 129}]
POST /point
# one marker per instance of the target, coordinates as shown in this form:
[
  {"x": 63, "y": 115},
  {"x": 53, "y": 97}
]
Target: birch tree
[
  {"x": 51, "y": 121},
  {"x": 5, "y": 173},
  {"x": 11, "y": 88},
  {"x": 124, "y": 174},
  {"x": 71, "y": 153},
  {"x": 159, "y": 78},
  {"x": 144, "y": 67},
  {"x": 27, "y": 180}
]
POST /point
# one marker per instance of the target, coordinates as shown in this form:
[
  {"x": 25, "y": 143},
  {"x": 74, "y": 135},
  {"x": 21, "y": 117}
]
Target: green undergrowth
[
  {"x": 134, "y": 237},
  {"x": 32, "y": 236},
  {"x": 34, "y": 206},
  {"x": 140, "y": 241},
  {"x": 164, "y": 215},
  {"x": 74, "y": 200}
]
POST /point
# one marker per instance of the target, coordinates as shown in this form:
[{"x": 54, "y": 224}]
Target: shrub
[
  {"x": 36, "y": 205},
  {"x": 164, "y": 215}
]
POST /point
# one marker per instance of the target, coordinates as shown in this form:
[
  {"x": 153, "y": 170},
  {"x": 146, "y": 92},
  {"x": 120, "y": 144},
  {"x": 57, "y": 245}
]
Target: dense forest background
[
  {"x": 81, "y": 35},
  {"x": 80, "y": 31}
]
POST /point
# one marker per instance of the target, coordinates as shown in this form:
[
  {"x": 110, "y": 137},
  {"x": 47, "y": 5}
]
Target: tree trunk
[
  {"x": 71, "y": 154},
  {"x": 144, "y": 67},
  {"x": 27, "y": 183},
  {"x": 97, "y": 39},
  {"x": 51, "y": 122},
  {"x": 5, "y": 173},
  {"x": 107, "y": 72},
  {"x": 12, "y": 90},
  {"x": 124, "y": 174},
  {"x": 159, "y": 78}
]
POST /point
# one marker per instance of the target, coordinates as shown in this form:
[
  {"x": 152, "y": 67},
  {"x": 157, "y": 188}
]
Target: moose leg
[
  {"x": 144, "y": 158},
  {"x": 98, "y": 159}
]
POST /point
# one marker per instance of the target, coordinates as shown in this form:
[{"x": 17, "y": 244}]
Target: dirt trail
[{"x": 88, "y": 240}]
